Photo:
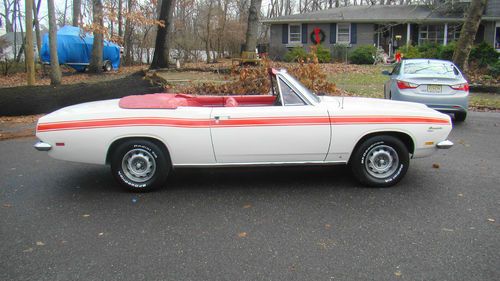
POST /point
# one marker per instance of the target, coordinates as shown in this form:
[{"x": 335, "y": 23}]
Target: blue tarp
[{"x": 74, "y": 48}]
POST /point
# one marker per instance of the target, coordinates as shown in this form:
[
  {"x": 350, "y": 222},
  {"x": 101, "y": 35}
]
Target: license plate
[{"x": 434, "y": 88}]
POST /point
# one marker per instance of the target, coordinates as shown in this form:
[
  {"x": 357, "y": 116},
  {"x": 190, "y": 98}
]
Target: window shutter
[
  {"x": 333, "y": 33},
  {"x": 304, "y": 33},
  {"x": 354, "y": 33},
  {"x": 284, "y": 34}
]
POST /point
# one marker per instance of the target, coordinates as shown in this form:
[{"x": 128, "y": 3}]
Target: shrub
[
  {"x": 494, "y": 69},
  {"x": 446, "y": 52},
  {"x": 484, "y": 54},
  {"x": 340, "y": 52},
  {"x": 363, "y": 55},
  {"x": 429, "y": 50},
  {"x": 409, "y": 52},
  {"x": 296, "y": 54},
  {"x": 322, "y": 53}
]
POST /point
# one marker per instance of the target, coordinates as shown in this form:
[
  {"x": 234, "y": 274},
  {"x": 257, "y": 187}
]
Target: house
[
  {"x": 385, "y": 26},
  {"x": 12, "y": 42}
]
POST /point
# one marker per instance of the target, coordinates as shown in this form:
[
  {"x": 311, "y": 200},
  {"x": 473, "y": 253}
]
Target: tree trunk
[
  {"x": 253, "y": 25},
  {"x": 207, "y": 42},
  {"x": 55, "y": 70},
  {"x": 36, "y": 9},
  {"x": 65, "y": 12},
  {"x": 120, "y": 18},
  {"x": 468, "y": 34},
  {"x": 77, "y": 10},
  {"x": 96, "y": 60},
  {"x": 29, "y": 55},
  {"x": 127, "y": 40},
  {"x": 162, "y": 44}
]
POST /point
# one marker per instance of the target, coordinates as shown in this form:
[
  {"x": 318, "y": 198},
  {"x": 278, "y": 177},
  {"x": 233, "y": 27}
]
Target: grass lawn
[{"x": 368, "y": 82}]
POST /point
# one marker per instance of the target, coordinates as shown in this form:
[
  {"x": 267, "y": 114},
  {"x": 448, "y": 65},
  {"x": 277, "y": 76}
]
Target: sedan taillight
[
  {"x": 461, "y": 87},
  {"x": 406, "y": 85}
]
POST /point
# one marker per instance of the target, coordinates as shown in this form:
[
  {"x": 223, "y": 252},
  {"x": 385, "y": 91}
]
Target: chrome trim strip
[
  {"x": 42, "y": 146},
  {"x": 215, "y": 165},
  {"x": 444, "y": 144}
]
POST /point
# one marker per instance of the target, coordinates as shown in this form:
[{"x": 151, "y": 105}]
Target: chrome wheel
[
  {"x": 139, "y": 165},
  {"x": 381, "y": 161}
]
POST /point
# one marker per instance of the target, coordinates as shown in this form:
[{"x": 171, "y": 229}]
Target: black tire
[
  {"x": 107, "y": 66},
  {"x": 460, "y": 116},
  {"x": 383, "y": 149},
  {"x": 151, "y": 165}
]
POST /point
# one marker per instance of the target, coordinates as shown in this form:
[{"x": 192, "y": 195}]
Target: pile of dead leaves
[
  {"x": 255, "y": 80},
  {"x": 70, "y": 76}
]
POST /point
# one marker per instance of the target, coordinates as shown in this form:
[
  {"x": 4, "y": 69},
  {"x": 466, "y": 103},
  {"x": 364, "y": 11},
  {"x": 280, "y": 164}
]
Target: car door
[{"x": 289, "y": 131}]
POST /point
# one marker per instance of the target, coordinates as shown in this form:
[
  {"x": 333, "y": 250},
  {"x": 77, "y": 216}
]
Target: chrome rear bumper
[
  {"x": 42, "y": 146},
  {"x": 444, "y": 144}
]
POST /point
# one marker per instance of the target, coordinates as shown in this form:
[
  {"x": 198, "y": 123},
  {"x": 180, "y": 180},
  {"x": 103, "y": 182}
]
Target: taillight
[
  {"x": 461, "y": 87},
  {"x": 406, "y": 85}
]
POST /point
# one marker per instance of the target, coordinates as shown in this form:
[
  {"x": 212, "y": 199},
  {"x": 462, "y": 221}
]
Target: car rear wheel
[
  {"x": 107, "y": 66},
  {"x": 380, "y": 161},
  {"x": 140, "y": 165},
  {"x": 460, "y": 116}
]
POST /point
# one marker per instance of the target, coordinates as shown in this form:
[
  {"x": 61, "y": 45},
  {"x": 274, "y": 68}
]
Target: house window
[
  {"x": 454, "y": 32},
  {"x": 431, "y": 34},
  {"x": 343, "y": 33},
  {"x": 294, "y": 33}
]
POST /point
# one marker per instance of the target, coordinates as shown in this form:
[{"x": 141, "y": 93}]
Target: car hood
[{"x": 95, "y": 109}]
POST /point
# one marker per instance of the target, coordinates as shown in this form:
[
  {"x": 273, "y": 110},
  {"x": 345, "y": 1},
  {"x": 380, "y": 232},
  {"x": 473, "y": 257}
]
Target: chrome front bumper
[
  {"x": 42, "y": 146},
  {"x": 444, "y": 144}
]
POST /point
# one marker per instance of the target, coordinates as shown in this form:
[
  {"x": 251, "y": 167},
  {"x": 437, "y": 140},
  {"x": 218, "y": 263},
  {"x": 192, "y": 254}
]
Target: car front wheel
[
  {"x": 380, "y": 161},
  {"x": 140, "y": 165}
]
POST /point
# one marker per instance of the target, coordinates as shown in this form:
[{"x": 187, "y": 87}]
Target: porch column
[
  {"x": 445, "y": 39},
  {"x": 408, "y": 33}
]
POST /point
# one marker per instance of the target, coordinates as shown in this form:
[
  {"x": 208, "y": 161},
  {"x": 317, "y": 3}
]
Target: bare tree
[
  {"x": 29, "y": 54},
  {"x": 97, "y": 48},
  {"x": 253, "y": 25},
  {"x": 468, "y": 34},
  {"x": 55, "y": 70},
  {"x": 161, "y": 55},
  {"x": 8, "y": 5},
  {"x": 77, "y": 11}
]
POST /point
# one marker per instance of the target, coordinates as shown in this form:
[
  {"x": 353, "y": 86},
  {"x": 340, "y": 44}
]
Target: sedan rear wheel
[
  {"x": 380, "y": 161},
  {"x": 460, "y": 116},
  {"x": 140, "y": 165}
]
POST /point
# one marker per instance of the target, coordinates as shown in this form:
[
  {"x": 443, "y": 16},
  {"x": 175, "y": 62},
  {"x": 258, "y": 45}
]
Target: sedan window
[{"x": 429, "y": 67}]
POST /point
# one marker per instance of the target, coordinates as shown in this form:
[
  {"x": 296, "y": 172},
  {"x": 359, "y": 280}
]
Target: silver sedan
[{"x": 436, "y": 83}]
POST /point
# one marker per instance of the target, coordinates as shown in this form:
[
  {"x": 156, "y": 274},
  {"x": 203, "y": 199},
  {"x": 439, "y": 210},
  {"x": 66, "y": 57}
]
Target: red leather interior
[{"x": 172, "y": 101}]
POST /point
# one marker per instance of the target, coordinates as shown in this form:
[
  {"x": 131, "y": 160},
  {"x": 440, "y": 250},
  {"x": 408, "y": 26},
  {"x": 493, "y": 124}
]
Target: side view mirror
[{"x": 386, "y": 72}]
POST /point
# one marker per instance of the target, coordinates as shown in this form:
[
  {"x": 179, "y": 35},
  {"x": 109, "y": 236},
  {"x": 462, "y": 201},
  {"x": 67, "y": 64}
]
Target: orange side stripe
[{"x": 241, "y": 122}]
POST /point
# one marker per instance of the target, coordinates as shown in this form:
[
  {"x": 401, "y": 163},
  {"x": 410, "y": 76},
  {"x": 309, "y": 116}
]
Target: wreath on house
[{"x": 317, "y": 36}]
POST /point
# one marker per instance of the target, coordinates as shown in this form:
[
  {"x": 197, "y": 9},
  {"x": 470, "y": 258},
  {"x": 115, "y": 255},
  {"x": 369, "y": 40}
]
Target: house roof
[{"x": 377, "y": 13}]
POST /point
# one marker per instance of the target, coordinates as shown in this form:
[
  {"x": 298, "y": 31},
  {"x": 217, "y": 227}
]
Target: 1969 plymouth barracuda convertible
[{"x": 144, "y": 137}]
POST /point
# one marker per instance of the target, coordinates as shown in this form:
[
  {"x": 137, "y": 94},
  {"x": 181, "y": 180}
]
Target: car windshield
[
  {"x": 429, "y": 67},
  {"x": 303, "y": 89}
]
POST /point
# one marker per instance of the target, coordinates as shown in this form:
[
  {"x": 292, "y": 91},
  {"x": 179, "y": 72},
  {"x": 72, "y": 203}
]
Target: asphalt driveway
[{"x": 67, "y": 221}]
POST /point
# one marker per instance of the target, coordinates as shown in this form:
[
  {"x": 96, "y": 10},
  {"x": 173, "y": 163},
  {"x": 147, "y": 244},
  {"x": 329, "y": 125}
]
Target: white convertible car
[{"x": 144, "y": 137}]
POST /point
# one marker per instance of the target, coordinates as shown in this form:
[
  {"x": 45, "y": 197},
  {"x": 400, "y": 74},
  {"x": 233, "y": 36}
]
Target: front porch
[{"x": 391, "y": 36}]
